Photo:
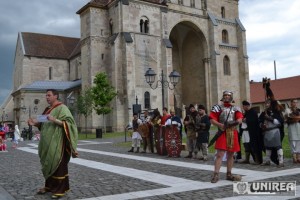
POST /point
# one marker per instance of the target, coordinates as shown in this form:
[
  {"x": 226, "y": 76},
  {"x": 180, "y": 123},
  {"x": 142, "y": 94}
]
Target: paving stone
[{"x": 23, "y": 175}]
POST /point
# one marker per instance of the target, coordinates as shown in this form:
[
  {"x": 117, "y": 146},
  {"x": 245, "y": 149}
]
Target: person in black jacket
[{"x": 251, "y": 134}]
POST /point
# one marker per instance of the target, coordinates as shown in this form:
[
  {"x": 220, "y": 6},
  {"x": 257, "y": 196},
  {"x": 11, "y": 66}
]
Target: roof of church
[
  {"x": 57, "y": 85},
  {"x": 49, "y": 46},
  {"x": 283, "y": 89},
  {"x": 76, "y": 51},
  {"x": 156, "y": 1},
  {"x": 104, "y": 3}
]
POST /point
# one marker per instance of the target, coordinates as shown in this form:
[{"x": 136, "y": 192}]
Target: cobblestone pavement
[{"x": 105, "y": 170}]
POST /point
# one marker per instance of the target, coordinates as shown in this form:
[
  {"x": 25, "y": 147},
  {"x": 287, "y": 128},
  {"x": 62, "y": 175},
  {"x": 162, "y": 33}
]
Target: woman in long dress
[{"x": 16, "y": 136}]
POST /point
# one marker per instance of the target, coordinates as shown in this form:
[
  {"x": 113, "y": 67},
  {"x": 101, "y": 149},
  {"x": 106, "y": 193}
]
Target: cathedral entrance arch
[{"x": 188, "y": 54}]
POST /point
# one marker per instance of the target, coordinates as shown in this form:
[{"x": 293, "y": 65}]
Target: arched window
[
  {"x": 141, "y": 25},
  {"x": 144, "y": 25},
  {"x": 180, "y": 2},
  {"x": 223, "y": 12},
  {"x": 226, "y": 66},
  {"x": 50, "y": 73},
  {"x": 225, "y": 36},
  {"x": 111, "y": 26},
  {"x": 147, "y": 100}
]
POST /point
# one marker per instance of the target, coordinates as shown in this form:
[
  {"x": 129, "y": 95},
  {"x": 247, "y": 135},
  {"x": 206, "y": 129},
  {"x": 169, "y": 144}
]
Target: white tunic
[
  {"x": 135, "y": 134},
  {"x": 245, "y": 136},
  {"x": 17, "y": 133}
]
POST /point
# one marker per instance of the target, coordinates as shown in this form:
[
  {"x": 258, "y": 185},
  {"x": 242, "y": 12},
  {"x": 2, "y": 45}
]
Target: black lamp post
[
  {"x": 24, "y": 109},
  {"x": 174, "y": 79},
  {"x": 72, "y": 100},
  {"x": 3, "y": 114}
]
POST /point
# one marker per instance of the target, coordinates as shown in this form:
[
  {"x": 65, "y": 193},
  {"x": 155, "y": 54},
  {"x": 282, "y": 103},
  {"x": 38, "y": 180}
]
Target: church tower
[{"x": 202, "y": 40}]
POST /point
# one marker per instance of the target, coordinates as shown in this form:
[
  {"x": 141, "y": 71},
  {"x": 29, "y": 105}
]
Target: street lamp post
[
  {"x": 3, "y": 114},
  {"x": 29, "y": 131},
  {"x": 24, "y": 109},
  {"x": 174, "y": 79}
]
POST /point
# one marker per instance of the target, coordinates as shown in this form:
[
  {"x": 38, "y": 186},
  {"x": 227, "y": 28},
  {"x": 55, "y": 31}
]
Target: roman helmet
[{"x": 228, "y": 93}]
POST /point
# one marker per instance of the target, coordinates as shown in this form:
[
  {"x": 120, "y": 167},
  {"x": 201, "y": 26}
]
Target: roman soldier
[
  {"x": 191, "y": 134},
  {"x": 226, "y": 117}
]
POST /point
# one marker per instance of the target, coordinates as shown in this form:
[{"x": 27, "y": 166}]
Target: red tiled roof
[
  {"x": 49, "y": 46},
  {"x": 283, "y": 89}
]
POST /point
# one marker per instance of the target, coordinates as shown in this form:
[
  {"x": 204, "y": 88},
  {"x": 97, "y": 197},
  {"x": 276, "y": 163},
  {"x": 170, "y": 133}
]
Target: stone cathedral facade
[{"x": 203, "y": 40}]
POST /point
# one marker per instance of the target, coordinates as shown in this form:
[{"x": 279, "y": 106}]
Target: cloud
[
  {"x": 56, "y": 17},
  {"x": 272, "y": 32},
  {"x": 4, "y": 93}
]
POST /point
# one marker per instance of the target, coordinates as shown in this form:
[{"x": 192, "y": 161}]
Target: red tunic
[
  {"x": 164, "y": 118},
  {"x": 221, "y": 141}
]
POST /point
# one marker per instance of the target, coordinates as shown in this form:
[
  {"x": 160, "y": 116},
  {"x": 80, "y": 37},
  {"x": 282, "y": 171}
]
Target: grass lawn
[{"x": 83, "y": 136}]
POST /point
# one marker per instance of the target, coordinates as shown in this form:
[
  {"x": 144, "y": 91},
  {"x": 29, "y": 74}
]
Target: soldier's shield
[
  {"x": 160, "y": 140},
  {"x": 173, "y": 141},
  {"x": 143, "y": 130}
]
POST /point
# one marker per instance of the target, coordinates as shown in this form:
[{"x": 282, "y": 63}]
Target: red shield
[
  {"x": 160, "y": 140},
  {"x": 173, "y": 141}
]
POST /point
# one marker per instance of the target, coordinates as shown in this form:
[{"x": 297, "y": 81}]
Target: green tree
[
  {"x": 103, "y": 94},
  {"x": 84, "y": 104}
]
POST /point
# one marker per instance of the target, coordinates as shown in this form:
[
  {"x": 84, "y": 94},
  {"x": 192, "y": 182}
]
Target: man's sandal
[
  {"x": 55, "y": 197},
  {"x": 215, "y": 178},
  {"x": 231, "y": 177},
  {"x": 42, "y": 191}
]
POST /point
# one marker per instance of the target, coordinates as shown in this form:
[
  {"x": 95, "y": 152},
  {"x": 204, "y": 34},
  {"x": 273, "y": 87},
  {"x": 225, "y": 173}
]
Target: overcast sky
[{"x": 272, "y": 32}]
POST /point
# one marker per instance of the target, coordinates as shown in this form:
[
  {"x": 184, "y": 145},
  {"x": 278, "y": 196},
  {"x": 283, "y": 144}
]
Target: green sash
[{"x": 56, "y": 139}]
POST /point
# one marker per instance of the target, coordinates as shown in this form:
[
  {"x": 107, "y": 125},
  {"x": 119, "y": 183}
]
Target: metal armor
[{"x": 224, "y": 114}]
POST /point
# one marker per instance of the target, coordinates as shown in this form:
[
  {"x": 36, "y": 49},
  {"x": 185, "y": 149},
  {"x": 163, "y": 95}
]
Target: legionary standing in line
[
  {"x": 144, "y": 130},
  {"x": 189, "y": 122},
  {"x": 165, "y": 116},
  {"x": 175, "y": 120},
  {"x": 270, "y": 122},
  {"x": 251, "y": 135},
  {"x": 203, "y": 125},
  {"x": 173, "y": 135},
  {"x": 226, "y": 117},
  {"x": 136, "y": 136},
  {"x": 292, "y": 118},
  {"x": 158, "y": 132}
]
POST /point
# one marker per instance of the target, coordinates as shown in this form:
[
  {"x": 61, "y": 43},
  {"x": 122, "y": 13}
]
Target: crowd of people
[
  {"x": 14, "y": 135},
  {"x": 5, "y": 131},
  {"x": 163, "y": 134},
  {"x": 260, "y": 134}
]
